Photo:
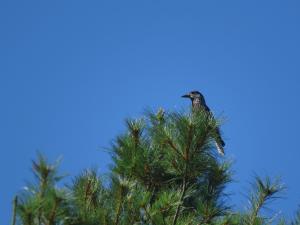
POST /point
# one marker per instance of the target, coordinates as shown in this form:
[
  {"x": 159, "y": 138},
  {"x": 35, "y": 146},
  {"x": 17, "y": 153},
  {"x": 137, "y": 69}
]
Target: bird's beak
[{"x": 186, "y": 96}]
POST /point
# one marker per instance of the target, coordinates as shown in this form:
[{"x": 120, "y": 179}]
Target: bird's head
[{"x": 193, "y": 95}]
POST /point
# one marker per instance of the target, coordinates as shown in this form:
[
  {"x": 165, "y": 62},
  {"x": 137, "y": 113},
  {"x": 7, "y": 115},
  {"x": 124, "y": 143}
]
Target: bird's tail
[
  {"x": 219, "y": 142},
  {"x": 220, "y": 148}
]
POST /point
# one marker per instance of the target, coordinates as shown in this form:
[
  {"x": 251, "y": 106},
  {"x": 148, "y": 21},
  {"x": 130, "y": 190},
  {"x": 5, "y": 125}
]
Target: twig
[{"x": 15, "y": 203}]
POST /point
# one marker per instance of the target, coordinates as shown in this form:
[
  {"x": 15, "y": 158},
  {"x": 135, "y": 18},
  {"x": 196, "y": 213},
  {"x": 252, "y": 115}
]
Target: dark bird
[{"x": 198, "y": 103}]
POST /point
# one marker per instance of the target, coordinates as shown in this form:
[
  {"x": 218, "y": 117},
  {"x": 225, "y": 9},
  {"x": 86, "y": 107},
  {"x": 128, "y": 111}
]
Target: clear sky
[{"x": 72, "y": 71}]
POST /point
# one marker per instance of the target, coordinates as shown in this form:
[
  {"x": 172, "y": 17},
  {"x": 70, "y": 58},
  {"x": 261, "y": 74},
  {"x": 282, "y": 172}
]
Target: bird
[{"x": 198, "y": 103}]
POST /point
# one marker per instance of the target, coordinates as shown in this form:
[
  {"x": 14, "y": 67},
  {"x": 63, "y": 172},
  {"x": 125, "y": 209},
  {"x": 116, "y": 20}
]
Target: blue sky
[{"x": 72, "y": 71}]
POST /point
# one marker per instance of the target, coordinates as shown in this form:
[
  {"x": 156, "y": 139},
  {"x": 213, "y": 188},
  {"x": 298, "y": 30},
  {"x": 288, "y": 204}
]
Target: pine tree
[{"x": 165, "y": 171}]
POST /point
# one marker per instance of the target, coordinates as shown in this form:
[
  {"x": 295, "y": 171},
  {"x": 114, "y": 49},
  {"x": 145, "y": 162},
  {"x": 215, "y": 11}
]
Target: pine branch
[
  {"x": 147, "y": 213},
  {"x": 186, "y": 160},
  {"x": 121, "y": 193},
  {"x": 53, "y": 213},
  {"x": 15, "y": 204},
  {"x": 266, "y": 190},
  {"x": 118, "y": 213},
  {"x": 184, "y": 186},
  {"x": 173, "y": 147}
]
